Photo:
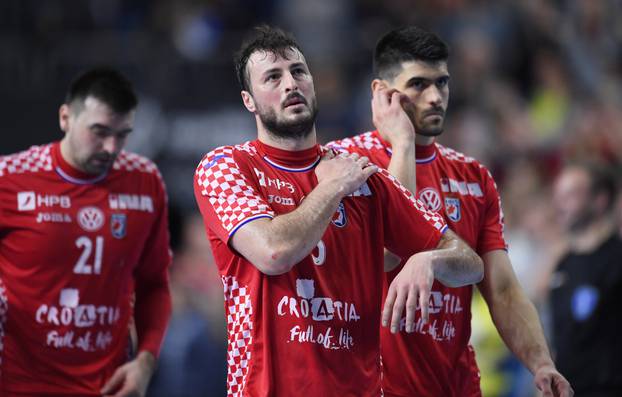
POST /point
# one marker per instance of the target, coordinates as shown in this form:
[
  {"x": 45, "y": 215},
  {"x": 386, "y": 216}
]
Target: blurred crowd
[{"x": 534, "y": 84}]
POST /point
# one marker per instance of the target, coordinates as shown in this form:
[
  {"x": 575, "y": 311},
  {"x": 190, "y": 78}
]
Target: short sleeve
[
  {"x": 408, "y": 226},
  {"x": 225, "y": 196},
  {"x": 491, "y": 233}
]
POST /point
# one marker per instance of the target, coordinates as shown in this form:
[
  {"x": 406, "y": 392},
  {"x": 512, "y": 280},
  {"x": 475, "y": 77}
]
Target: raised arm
[
  {"x": 275, "y": 245},
  {"x": 394, "y": 125}
]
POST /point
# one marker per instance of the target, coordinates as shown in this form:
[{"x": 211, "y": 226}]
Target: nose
[
  {"x": 289, "y": 82},
  {"x": 433, "y": 96},
  {"x": 112, "y": 144}
]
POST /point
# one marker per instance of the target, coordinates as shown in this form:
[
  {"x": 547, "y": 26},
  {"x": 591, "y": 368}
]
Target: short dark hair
[
  {"x": 602, "y": 179},
  {"x": 407, "y": 44},
  {"x": 263, "y": 38},
  {"x": 107, "y": 85}
]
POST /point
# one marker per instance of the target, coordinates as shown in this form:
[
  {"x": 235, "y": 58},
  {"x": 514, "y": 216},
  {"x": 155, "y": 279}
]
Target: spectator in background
[{"x": 586, "y": 285}]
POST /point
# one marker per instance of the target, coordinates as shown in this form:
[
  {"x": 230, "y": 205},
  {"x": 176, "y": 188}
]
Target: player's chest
[
  {"x": 459, "y": 199},
  {"x": 88, "y": 222}
]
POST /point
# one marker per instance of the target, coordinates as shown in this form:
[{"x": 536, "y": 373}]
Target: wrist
[
  {"x": 332, "y": 189},
  {"x": 147, "y": 361},
  {"x": 403, "y": 144},
  {"x": 545, "y": 362}
]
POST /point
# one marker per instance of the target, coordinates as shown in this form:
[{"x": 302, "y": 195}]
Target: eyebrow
[
  {"x": 293, "y": 65},
  {"x": 105, "y": 127},
  {"x": 100, "y": 126},
  {"x": 416, "y": 78}
]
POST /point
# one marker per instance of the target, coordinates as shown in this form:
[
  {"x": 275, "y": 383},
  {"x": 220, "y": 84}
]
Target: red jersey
[
  {"x": 74, "y": 249},
  {"x": 436, "y": 359},
  {"x": 312, "y": 331}
]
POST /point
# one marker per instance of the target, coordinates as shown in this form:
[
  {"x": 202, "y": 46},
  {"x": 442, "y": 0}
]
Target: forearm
[
  {"x": 403, "y": 164},
  {"x": 147, "y": 361},
  {"x": 518, "y": 324},
  {"x": 454, "y": 263},
  {"x": 288, "y": 238},
  {"x": 152, "y": 312}
]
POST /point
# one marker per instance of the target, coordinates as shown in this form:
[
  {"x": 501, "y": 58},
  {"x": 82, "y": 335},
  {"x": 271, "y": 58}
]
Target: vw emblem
[
  {"x": 90, "y": 219},
  {"x": 430, "y": 197}
]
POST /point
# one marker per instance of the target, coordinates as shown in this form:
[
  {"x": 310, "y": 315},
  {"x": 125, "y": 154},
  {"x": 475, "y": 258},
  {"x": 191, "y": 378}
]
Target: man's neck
[
  {"x": 422, "y": 140},
  {"x": 292, "y": 144},
  {"x": 590, "y": 238},
  {"x": 65, "y": 152}
]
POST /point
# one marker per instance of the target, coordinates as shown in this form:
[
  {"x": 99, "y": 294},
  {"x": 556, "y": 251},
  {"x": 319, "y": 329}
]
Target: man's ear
[
  {"x": 248, "y": 101},
  {"x": 64, "y": 113}
]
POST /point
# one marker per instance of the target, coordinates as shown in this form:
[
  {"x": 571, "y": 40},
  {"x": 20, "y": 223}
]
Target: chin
[{"x": 430, "y": 131}]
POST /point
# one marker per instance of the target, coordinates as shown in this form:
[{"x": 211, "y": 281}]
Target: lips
[
  {"x": 434, "y": 113},
  {"x": 294, "y": 100}
]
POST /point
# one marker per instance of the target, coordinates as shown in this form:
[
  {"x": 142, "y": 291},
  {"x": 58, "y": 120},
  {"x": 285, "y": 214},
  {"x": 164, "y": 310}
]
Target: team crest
[
  {"x": 339, "y": 219},
  {"x": 452, "y": 209},
  {"x": 118, "y": 225}
]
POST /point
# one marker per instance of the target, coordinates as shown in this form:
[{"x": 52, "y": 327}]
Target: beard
[
  {"x": 301, "y": 127},
  {"x": 429, "y": 129}
]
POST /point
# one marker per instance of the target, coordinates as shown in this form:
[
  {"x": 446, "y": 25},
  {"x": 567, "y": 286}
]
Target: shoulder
[
  {"x": 33, "y": 160},
  {"x": 135, "y": 163},
  {"x": 135, "y": 167},
  {"x": 225, "y": 156},
  {"x": 465, "y": 163},
  {"x": 223, "y": 160},
  {"x": 366, "y": 141}
]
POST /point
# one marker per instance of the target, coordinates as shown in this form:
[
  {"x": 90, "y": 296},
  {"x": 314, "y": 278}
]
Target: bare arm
[
  {"x": 453, "y": 263},
  {"x": 395, "y": 126},
  {"x": 518, "y": 323},
  {"x": 274, "y": 246}
]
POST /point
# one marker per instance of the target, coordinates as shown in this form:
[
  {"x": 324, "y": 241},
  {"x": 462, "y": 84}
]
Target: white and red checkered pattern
[
  {"x": 239, "y": 310},
  {"x": 431, "y": 217},
  {"x": 452, "y": 154},
  {"x": 368, "y": 141},
  {"x": 129, "y": 161},
  {"x": 36, "y": 158},
  {"x": 233, "y": 199},
  {"x": 4, "y": 308}
]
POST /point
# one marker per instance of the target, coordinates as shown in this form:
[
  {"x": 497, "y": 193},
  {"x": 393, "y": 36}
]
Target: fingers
[
  {"x": 127, "y": 391},
  {"x": 363, "y": 161},
  {"x": 411, "y": 309},
  {"x": 330, "y": 154},
  {"x": 114, "y": 382},
  {"x": 388, "y": 305},
  {"x": 562, "y": 387},
  {"x": 424, "y": 302},
  {"x": 398, "y": 309},
  {"x": 370, "y": 170},
  {"x": 544, "y": 385}
]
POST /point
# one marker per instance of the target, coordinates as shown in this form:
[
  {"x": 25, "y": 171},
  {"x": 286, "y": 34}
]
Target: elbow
[
  {"x": 471, "y": 271},
  {"x": 274, "y": 262},
  {"x": 475, "y": 266},
  {"x": 478, "y": 272}
]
